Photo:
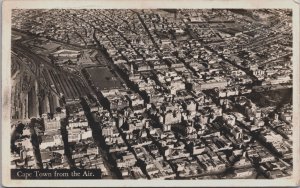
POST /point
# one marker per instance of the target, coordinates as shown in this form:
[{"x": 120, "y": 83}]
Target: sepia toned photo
[{"x": 170, "y": 94}]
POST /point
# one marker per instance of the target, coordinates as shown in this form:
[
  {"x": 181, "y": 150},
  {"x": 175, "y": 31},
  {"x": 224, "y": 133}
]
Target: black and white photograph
[{"x": 164, "y": 93}]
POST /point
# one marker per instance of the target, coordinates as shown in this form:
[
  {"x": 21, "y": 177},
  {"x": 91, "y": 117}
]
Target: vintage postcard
[{"x": 129, "y": 93}]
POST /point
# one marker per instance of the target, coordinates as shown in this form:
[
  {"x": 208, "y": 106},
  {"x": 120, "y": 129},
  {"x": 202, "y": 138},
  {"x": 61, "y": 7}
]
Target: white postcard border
[{"x": 145, "y": 4}]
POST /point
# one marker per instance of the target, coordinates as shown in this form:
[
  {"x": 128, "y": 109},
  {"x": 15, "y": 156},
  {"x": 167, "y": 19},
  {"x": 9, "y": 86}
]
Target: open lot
[{"x": 102, "y": 78}]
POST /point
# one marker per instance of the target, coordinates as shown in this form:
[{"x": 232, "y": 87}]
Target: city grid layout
[{"x": 153, "y": 93}]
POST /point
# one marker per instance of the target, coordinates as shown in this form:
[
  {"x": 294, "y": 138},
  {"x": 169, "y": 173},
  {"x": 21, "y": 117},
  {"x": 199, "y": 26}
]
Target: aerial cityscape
[{"x": 153, "y": 93}]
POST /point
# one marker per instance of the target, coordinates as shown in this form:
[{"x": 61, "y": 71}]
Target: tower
[{"x": 131, "y": 68}]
